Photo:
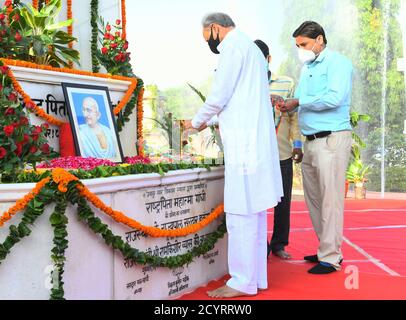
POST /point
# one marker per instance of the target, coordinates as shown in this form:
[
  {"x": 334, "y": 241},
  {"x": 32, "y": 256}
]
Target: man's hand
[
  {"x": 187, "y": 126},
  {"x": 297, "y": 155},
  {"x": 289, "y": 105}
]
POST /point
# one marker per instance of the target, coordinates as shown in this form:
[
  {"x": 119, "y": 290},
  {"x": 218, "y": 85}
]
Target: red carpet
[{"x": 374, "y": 244}]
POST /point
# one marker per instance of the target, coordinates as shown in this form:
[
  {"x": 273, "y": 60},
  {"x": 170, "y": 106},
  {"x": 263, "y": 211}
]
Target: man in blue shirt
[{"x": 323, "y": 99}]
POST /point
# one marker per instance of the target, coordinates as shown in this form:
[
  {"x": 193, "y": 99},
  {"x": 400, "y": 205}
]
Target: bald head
[{"x": 91, "y": 111}]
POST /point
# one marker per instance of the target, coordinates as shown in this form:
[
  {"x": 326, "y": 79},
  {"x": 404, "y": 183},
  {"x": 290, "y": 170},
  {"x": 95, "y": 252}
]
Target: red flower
[
  {"x": 2, "y": 16},
  {"x": 18, "y": 37},
  {"x": 113, "y": 45},
  {"x": 118, "y": 57},
  {"x": 8, "y": 3},
  {"x": 19, "y": 149},
  {"x": 45, "y": 148},
  {"x": 26, "y": 138},
  {"x": 108, "y": 28},
  {"x": 16, "y": 17},
  {"x": 118, "y": 22},
  {"x": 4, "y": 69},
  {"x": 10, "y": 112},
  {"x": 118, "y": 34},
  {"x": 45, "y": 126},
  {"x": 12, "y": 97},
  {"x": 23, "y": 121},
  {"x": 104, "y": 50},
  {"x": 125, "y": 46},
  {"x": 107, "y": 36},
  {"x": 3, "y": 152},
  {"x": 37, "y": 130},
  {"x": 35, "y": 136},
  {"x": 33, "y": 149},
  {"x": 30, "y": 105},
  {"x": 8, "y": 130}
]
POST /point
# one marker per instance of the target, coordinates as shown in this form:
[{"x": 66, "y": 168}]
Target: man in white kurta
[{"x": 253, "y": 184}]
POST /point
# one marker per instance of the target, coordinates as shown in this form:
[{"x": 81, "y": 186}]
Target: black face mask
[{"x": 213, "y": 43}]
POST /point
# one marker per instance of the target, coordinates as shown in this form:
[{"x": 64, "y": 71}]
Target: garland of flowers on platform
[
  {"x": 70, "y": 27},
  {"x": 64, "y": 188},
  {"x": 94, "y": 13},
  {"x": 88, "y": 170},
  {"x": 124, "y": 18}
]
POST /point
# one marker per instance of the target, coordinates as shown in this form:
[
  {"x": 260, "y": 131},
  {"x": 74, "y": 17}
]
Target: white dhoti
[{"x": 247, "y": 252}]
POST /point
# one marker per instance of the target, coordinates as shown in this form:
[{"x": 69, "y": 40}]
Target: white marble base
[{"x": 93, "y": 271}]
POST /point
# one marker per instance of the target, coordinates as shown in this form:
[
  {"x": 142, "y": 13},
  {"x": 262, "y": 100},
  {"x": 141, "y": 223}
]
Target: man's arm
[
  {"x": 294, "y": 131},
  {"x": 225, "y": 80},
  {"x": 295, "y": 136}
]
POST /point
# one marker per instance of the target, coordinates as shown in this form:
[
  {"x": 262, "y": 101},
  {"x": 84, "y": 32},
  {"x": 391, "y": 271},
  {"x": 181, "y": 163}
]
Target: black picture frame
[{"x": 98, "y": 140}]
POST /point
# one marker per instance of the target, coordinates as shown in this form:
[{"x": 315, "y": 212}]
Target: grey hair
[{"x": 220, "y": 18}]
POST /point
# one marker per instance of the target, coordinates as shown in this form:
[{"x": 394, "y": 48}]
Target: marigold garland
[
  {"x": 124, "y": 18},
  {"x": 151, "y": 231},
  {"x": 70, "y": 28},
  {"x": 35, "y": 4},
  {"x": 40, "y": 112},
  {"x": 22, "y": 203},
  {"x": 62, "y": 178}
]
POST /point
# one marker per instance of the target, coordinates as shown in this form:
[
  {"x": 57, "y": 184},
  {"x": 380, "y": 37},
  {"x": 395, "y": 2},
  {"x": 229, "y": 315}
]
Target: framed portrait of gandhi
[{"x": 92, "y": 121}]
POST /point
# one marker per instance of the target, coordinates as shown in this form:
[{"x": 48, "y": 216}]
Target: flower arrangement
[
  {"x": 12, "y": 42},
  {"x": 113, "y": 55},
  {"x": 89, "y": 163},
  {"x": 20, "y": 142}
]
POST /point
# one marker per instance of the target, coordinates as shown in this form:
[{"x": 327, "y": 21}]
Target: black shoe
[
  {"x": 320, "y": 268},
  {"x": 315, "y": 259}
]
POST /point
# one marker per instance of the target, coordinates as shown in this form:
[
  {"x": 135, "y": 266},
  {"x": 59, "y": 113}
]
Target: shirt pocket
[{"x": 317, "y": 83}]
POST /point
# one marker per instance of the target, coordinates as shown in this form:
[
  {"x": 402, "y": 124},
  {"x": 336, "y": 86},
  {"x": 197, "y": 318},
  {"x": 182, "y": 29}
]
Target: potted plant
[
  {"x": 356, "y": 164},
  {"x": 357, "y": 174},
  {"x": 36, "y": 35}
]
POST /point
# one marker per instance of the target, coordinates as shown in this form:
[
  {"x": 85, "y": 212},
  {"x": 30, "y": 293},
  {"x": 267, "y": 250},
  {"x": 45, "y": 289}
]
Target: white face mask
[{"x": 307, "y": 56}]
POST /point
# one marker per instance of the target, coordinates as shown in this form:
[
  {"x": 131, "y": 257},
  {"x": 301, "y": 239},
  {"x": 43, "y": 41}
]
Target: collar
[
  {"x": 229, "y": 36},
  {"x": 321, "y": 56}
]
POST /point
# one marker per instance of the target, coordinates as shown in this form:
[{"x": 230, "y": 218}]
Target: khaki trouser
[{"x": 324, "y": 166}]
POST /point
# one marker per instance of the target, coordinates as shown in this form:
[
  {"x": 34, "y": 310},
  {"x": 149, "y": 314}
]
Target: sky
[{"x": 166, "y": 42}]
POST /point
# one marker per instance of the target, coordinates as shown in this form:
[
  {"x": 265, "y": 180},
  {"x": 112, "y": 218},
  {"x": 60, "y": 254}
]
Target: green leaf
[
  {"x": 58, "y": 219},
  {"x": 59, "y": 25},
  {"x": 24, "y": 230}
]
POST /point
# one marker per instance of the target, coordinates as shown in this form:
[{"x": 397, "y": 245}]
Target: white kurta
[{"x": 240, "y": 98}]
